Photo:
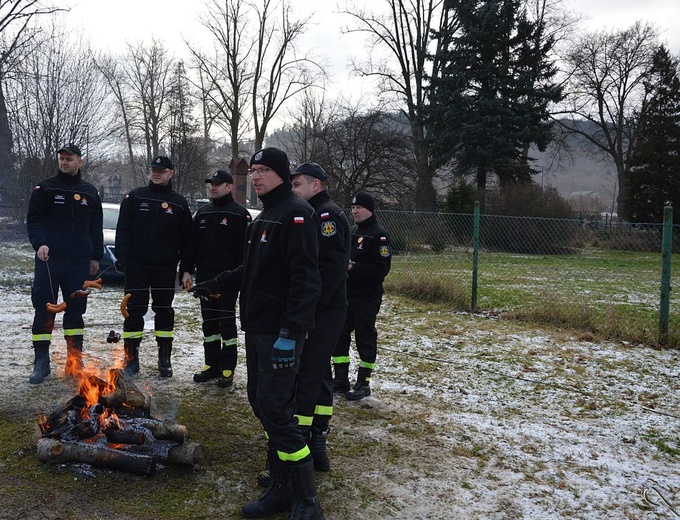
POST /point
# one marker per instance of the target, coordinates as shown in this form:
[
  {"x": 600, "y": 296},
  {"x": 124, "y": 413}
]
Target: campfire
[{"x": 108, "y": 424}]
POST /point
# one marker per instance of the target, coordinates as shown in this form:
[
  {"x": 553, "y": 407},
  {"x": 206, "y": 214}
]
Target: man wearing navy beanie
[
  {"x": 279, "y": 284},
  {"x": 370, "y": 262}
]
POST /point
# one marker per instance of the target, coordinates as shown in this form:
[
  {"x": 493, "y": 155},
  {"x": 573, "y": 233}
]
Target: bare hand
[
  {"x": 43, "y": 253},
  {"x": 186, "y": 280}
]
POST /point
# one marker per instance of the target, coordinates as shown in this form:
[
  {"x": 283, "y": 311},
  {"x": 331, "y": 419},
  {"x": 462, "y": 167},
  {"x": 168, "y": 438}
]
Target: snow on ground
[{"x": 498, "y": 422}]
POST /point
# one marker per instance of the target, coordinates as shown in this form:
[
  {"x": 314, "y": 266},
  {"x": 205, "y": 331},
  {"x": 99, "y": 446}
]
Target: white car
[{"x": 108, "y": 261}]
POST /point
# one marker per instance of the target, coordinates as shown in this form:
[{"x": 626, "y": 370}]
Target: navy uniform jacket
[
  {"x": 153, "y": 227},
  {"x": 372, "y": 256},
  {"x": 334, "y": 246},
  {"x": 218, "y": 236},
  {"x": 65, "y": 214},
  {"x": 279, "y": 279}
]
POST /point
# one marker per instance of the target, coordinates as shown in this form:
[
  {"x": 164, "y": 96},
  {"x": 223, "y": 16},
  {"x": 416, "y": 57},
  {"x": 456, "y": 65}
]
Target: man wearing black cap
[
  {"x": 315, "y": 382},
  {"x": 279, "y": 285},
  {"x": 370, "y": 263},
  {"x": 218, "y": 237},
  {"x": 65, "y": 229},
  {"x": 152, "y": 236}
]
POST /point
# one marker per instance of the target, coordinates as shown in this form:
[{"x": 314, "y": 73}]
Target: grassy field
[
  {"x": 611, "y": 294},
  {"x": 473, "y": 415}
]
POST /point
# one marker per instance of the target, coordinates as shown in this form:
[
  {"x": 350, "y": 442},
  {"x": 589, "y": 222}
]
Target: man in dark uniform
[
  {"x": 152, "y": 236},
  {"x": 370, "y": 262},
  {"x": 218, "y": 238},
  {"x": 279, "y": 285},
  {"x": 65, "y": 229},
  {"x": 315, "y": 382}
]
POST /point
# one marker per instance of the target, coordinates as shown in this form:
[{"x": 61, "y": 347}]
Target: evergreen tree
[
  {"x": 491, "y": 98},
  {"x": 654, "y": 176}
]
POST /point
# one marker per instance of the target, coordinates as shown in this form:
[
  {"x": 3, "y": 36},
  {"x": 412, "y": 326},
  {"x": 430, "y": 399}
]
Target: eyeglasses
[{"x": 259, "y": 171}]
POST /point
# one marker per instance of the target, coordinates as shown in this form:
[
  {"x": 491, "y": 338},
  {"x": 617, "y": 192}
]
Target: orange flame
[{"x": 94, "y": 381}]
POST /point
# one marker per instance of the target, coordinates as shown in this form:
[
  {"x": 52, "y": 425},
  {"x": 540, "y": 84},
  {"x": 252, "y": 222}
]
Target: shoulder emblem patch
[
  {"x": 384, "y": 251},
  {"x": 328, "y": 229}
]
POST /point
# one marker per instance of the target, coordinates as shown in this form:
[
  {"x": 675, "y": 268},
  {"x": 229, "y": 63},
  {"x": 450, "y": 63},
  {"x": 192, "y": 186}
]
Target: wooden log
[
  {"x": 167, "y": 431},
  {"x": 186, "y": 454},
  {"x": 124, "y": 436},
  {"x": 51, "y": 450},
  {"x": 114, "y": 399},
  {"x": 59, "y": 417}
]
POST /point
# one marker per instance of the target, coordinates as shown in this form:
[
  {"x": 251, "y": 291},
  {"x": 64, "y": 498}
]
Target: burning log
[
  {"x": 59, "y": 417},
  {"x": 51, "y": 450},
  {"x": 114, "y": 416},
  {"x": 120, "y": 397}
]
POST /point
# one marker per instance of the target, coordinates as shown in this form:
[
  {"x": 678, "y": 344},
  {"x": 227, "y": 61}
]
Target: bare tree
[
  {"x": 149, "y": 76},
  {"x": 605, "y": 89},
  {"x": 53, "y": 97},
  {"x": 186, "y": 145},
  {"x": 366, "y": 150},
  {"x": 225, "y": 74},
  {"x": 111, "y": 70},
  {"x": 17, "y": 39},
  {"x": 280, "y": 72},
  {"x": 302, "y": 134},
  {"x": 255, "y": 59},
  {"x": 406, "y": 32}
]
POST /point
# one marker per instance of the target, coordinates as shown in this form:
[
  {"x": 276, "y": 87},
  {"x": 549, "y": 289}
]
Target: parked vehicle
[{"x": 108, "y": 261}]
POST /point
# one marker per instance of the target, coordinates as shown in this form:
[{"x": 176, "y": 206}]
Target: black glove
[
  {"x": 204, "y": 289},
  {"x": 119, "y": 266},
  {"x": 283, "y": 353}
]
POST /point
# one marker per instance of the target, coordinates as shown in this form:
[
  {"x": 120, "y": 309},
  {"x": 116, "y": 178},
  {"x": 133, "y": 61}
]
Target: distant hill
[{"x": 576, "y": 170}]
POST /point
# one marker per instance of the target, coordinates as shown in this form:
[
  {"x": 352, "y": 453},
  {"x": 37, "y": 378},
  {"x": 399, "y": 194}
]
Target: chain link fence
[{"x": 599, "y": 278}]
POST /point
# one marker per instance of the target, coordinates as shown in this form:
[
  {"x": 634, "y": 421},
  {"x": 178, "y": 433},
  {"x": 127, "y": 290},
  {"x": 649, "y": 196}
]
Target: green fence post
[
  {"x": 475, "y": 256},
  {"x": 666, "y": 252}
]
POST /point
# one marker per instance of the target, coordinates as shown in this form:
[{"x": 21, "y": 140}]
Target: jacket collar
[
  {"x": 276, "y": 195},
  {"x": 160, "y": 189}
]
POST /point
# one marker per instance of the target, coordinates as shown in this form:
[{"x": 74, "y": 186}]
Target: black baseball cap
[
  {"x": 220, "y": 177},
  {"x": 162, "y": 162},
  {"x": 312, "y": 169},
  {"x": 70, "y": 148}
]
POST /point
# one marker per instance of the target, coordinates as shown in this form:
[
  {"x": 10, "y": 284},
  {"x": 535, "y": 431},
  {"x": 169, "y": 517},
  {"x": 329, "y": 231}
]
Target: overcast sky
[{"x": 110, "y": 24}]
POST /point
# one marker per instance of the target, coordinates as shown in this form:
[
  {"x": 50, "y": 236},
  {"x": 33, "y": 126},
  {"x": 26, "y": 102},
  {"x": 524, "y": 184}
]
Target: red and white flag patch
[{"x": 299, "y": 220}]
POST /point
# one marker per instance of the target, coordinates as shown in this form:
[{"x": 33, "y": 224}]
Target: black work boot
[
  {"x": 228, "y": 358},
  {"x": 264, "y": 477},
  {"x": 362, "y": 387},
  {"x": 164, "y": 354},
  {"x": 317, "y": 445},
  {"x": 74, "y": 355},
  {"x": 211, "y": 370},
  {"x": 41, "y": 365},
  {"x": 226, "y": 379},
  {"x": 131, "y": 357},
  {"x": 277, "y": 497},
  {"x": 306, "y": 504},
  {"x": 341, "y": 379}
]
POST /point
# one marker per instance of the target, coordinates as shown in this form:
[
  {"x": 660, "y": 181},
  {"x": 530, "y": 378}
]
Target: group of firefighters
[{"x": 303, "y": 279}]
